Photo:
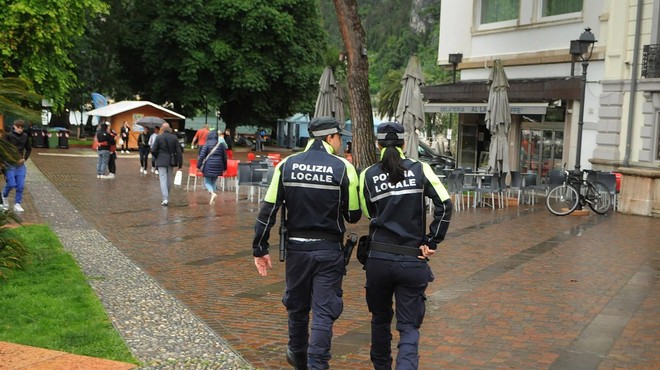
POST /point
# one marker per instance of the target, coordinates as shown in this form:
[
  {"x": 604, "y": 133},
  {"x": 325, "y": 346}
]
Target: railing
[{"x": 651, "y": 61}]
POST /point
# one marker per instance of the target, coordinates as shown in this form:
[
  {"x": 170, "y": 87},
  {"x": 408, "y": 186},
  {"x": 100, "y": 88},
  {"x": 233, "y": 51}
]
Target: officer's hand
[
  {"x": 426, "y": 252},
  {"x": 263, "y": 264}
]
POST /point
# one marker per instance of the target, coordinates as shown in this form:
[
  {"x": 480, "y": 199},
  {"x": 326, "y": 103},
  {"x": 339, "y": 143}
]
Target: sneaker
[
  {"x": 5, "y": 204},
  {"x": 164, "y": 203},
  {"x": 18, "y": 208},
  {"x": 127, "y": 152},
  {"x": 213, "y": 196},
  {"x": 156, "y": 172},
  {"x": 98, "y": 176},
  {"x": 111, "y": 176},
  {"x": 152, "y": 170}
]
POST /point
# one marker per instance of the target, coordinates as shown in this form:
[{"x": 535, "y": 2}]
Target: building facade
[{"x": 532, "y": 38}]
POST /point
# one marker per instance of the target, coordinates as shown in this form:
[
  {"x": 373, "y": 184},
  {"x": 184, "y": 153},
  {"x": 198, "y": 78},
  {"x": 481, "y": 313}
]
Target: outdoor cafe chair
[
  {"x": 194, "y": 173},
  {"x": 609, "y": 180},
  {"x": 228, "y": 179},
  {"x": 455, "y": 189},
  {"x": 245, "y": 179},
  {"x": 492, "y": 188}
]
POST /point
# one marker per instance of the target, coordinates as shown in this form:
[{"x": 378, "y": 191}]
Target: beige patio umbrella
[
  {"x": 410, "y": 110},
  {"x": 498, "y": 119},
  {"x": 330, "y": 101}
]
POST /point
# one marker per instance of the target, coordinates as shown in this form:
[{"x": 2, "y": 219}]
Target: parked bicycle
[{"x": 563, "y": 199}]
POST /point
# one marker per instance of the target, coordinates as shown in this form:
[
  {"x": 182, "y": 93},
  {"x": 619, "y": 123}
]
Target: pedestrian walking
[
  {"x": 392, "y": 196},
  {"x": 112, "y": 159},
  {"x": 200, "y": 137},
  {"x": 125, "y": 136},
  {"x": 230, "y": 143},
  {"x": 143, "y": 149},
  {"x": 258, "y": 141},
  {"x": 15, "y": 174},
  {"x": 104, "y": 140},
  {"x": 212, "y": 161},
  {"x": 167, "y": 151},
  {"x": 319, "y": 191},
  {"x": 152, "y": 139}
]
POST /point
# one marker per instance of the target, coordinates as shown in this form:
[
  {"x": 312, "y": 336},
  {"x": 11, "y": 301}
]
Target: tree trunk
[{"x": 363, "y": 148}]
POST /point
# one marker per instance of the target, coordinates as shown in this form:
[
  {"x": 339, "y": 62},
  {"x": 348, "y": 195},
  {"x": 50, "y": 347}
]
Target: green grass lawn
[{"x": 49, "y": 304}]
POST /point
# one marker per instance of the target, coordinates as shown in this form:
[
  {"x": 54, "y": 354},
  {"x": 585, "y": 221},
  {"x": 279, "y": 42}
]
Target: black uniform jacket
[
  {"x": 398, "y": 212},
  {"x": 320, "y": 191}
]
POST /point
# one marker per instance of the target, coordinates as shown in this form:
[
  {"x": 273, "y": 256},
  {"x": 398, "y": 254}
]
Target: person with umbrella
[
  {"x": 392, "y": 196},
  {"x": 104, "y": 140},
  {"x": 167, "y": 151}
]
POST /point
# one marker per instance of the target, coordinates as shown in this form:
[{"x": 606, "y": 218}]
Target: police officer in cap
[
  {"x": 320, "y": 191},
  {"x": 392, "y": 196}
]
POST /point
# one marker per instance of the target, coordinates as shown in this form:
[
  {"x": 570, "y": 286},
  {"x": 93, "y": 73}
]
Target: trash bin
[
  {"x": 39, "y": 138},
  {"x": 63, "y": 138},
  {"x": 52, "y": 139}
]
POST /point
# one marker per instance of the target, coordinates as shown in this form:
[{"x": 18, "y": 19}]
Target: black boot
[{"x": 296, "y": 359}]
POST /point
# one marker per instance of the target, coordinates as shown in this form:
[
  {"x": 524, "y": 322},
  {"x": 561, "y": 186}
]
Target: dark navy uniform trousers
[
  {"x": 314, "y": 273},
  {"x": 407, "y": 282}
]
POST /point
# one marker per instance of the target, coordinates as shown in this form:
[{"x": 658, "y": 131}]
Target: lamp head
[
  {"x": 584, "y": 46},
  {"x": 455, "y": 58}
]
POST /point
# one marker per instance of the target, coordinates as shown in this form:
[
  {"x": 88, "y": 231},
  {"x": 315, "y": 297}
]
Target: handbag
[
  {"x": 178, "y": 178},
  {"x": 201, "y": 166}
]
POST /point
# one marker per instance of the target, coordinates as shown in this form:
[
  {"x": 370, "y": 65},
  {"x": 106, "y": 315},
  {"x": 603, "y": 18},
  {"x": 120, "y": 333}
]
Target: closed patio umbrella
[
  {"x": 330, "y": 101},
  {"x": 498, "y": 119},
  {"x": 410, "y": 110}
]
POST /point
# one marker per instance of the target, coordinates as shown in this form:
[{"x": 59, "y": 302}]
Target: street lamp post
[
  {"x": 582, "y": 48},
  {"x": 454, "y": 59}
]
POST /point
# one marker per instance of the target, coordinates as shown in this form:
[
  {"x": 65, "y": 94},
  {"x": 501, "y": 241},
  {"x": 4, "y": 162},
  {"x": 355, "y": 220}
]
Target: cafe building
[{"x": 584, "y": 91}]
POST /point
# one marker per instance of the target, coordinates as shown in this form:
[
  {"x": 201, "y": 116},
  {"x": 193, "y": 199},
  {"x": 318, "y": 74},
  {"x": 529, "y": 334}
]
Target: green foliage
[
  {"x": 13, "y": 254},
  {"x": 36, "y": 39},
  {"x": 50, "y": 304},
  {"x": 256, "y": 60}
]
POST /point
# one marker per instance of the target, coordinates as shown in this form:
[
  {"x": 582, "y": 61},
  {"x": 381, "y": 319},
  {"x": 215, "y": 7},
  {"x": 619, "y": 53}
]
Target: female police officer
[{"x": 392, "y": 195}]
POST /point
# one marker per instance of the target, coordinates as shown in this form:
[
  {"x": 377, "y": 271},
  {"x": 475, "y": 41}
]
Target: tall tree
[
  {"x": 355, "y": 44},
  {"x": 36, "y": 38},
  {"x": 257, "y": 60}
]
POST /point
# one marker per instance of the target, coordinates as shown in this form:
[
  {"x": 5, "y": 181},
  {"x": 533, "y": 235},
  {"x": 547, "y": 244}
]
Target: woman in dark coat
[{"x": 212, "y": 162}]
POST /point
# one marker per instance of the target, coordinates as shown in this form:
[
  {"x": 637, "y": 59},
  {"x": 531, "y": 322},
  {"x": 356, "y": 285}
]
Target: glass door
[{"x": 541, "y": 149}]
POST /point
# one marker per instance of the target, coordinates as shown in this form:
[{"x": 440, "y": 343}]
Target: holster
[{"x": 363, "y": 248}]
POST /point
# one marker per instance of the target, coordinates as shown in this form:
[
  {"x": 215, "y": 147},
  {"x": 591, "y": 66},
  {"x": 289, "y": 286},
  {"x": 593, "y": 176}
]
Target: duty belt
[
  {"x": 395, "y": 249},
  {"x": 315, "y": 234}
]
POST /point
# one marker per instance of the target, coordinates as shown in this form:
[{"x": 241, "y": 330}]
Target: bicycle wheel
[
  {"x": 562, "y": 200},
  {"x": 599, "y": 198}
]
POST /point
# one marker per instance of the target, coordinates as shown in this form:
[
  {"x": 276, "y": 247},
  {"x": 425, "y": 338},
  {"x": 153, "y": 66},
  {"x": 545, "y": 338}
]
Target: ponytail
[{"x": 391, "y": 164}]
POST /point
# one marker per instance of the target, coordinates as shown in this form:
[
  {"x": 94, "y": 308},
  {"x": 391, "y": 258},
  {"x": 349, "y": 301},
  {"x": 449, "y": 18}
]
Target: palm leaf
[{"x": 15, "y": 96}]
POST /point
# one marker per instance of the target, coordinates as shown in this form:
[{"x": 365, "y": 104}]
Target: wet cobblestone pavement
[{"x": 515, "y": 288}]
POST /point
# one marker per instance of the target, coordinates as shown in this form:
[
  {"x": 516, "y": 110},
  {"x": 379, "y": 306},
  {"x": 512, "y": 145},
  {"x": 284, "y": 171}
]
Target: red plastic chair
[
  {"x": 275, "y": 158},
  {"x": 251, "y": 156},
  {"x": 230, "y": 174},
  {"x": 194, "y": 173}
]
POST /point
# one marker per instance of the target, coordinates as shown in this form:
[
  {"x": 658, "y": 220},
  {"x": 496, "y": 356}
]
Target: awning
[{"x": 480, "y": 108}]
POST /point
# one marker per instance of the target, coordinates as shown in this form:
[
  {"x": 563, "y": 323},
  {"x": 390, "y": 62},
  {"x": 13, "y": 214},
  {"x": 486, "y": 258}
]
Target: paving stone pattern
[{"x": 515, "y": 288}]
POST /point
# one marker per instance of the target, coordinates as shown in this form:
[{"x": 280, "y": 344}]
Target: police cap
[
  {"x": 322, "y": 126},
  {"x": 390, "y": 131}
]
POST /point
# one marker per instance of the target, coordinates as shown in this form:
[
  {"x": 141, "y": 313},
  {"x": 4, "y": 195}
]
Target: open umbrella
[
  {"x": 410, "y": 110},
  {"x": 330, "y": 101},
  {"x": 150, "y": 121},
  {"x": 498, "y": 119}
]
